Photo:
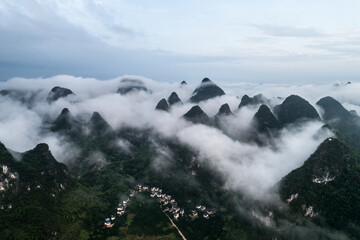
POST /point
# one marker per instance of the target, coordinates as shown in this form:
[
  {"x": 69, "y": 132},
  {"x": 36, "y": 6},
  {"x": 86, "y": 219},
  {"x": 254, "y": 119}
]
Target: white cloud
[
  {"x": 247, "y": 167},
  {"x": 110, "y": 38},
  {"x": 19, "y": 126}
]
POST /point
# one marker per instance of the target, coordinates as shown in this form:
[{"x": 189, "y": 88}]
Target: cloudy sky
[{"x": 234, "y": 41}]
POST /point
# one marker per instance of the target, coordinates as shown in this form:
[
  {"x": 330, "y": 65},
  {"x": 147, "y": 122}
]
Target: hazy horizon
[{"x": 260, "y": 42}]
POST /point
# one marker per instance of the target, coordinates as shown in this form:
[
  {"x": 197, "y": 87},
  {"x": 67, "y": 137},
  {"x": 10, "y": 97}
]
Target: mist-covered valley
[{"x": 263, "y": 158}]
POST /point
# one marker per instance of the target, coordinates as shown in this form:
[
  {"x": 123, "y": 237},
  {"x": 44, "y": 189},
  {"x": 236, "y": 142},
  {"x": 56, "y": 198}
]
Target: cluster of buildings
[
  {"x": 7, "y": 176},
  {"x": 120, "y": 210},
  {"x": 168, "y": 204},
  {"x": 207, "y": 213}
]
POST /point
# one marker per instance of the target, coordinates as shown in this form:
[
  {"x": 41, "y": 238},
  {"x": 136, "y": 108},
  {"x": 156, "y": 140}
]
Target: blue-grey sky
[{"x": 257, "y": 41}]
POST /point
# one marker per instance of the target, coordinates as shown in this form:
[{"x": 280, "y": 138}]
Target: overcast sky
[{"x": 236, "y": 41}]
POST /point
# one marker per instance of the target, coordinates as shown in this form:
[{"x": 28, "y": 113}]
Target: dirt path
[{"x": 172, "y": 222}]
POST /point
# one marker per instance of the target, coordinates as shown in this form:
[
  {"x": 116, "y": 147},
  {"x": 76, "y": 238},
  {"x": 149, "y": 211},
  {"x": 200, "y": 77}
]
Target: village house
[
  {"x": 194, "y": 213},
  {"x": 120, "y": 207},
  {"x": 211, "y": 212},
  {"x": 126, "y": 201},
  {"x": 132, "y": 193},
  {"x": 107, "y": 222},
  {"x": 182, "y": 211}
]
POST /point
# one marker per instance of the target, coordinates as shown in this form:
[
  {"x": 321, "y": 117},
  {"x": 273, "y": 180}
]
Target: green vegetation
[
  {"x": 48, "y": 200},
  {"x": 337, "y": 199}
]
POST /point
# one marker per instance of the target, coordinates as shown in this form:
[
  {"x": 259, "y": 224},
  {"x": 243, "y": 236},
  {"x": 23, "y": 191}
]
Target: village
[{"x": 168, "y": 204}]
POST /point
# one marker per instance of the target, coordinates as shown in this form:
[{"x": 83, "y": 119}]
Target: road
[{"x": 172, "y": 222}]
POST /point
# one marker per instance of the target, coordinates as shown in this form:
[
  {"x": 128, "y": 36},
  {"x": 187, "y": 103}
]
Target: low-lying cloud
[{"x": 246, "y": 167}]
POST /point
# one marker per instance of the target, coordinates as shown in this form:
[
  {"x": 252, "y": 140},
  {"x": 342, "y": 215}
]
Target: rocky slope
[
  {"x": 205, "y": 91},
  {"x": 58, "y": 92},
  {"x": 325, "y": 186},
  {"x": 294, "y": 109}
]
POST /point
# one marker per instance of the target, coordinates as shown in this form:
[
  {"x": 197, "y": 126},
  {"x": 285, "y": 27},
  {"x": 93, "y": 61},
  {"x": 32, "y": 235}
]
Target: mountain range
[{"x": 130, "y": 182}]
